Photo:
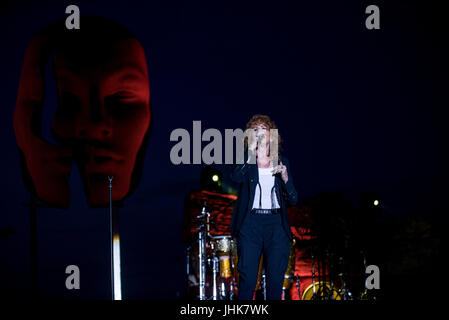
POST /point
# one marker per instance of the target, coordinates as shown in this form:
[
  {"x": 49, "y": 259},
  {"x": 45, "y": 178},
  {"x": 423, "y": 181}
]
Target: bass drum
[{"x": 323, "y": 291}]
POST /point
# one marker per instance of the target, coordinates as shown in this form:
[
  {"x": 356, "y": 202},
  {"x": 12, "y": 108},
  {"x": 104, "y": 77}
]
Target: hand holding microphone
[
  {"x": 253, "y": 147},
  {"x": 255, "y": 142}
]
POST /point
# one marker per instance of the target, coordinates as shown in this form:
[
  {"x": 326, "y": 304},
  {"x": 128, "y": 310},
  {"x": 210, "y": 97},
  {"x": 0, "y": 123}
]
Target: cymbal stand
[
  {"x": 214, "y": 275},
  {"x": 232, "y": 283},
  {"x": 328, "y": 277},
  {"x": 297, "y": 278},
  {"x": 215, "y": 269},
  {"x": 223, "y": 294},
  {"x": 187, "y": 267},
  {"x": 319, "y": 295},
  {"x": 365, "y": 295},
  {"x": 231, "y": 290},
  {"x": 202, "y": 232},
  {"x": 313, "y": 274},
  {"x": 347, "y": 295}
]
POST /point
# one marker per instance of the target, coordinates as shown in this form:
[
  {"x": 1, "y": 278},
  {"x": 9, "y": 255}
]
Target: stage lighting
[
  {"x": 211, "y": 179},
  {"x": 370, "y": 204}
]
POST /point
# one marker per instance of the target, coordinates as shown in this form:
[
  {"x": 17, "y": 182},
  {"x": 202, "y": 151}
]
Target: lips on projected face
[{"x": 101, "y": 121}]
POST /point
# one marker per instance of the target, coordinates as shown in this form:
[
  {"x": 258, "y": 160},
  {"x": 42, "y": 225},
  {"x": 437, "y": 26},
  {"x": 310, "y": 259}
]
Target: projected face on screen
[{"x": 102, "y": 117}]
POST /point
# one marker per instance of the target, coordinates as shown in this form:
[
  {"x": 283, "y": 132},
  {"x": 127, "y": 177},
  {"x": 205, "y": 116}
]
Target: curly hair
[{"x": 262, "y": 119}]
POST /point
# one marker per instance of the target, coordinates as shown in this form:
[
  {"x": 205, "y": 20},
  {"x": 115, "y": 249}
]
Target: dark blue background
[{"x": 359, "y": 110}]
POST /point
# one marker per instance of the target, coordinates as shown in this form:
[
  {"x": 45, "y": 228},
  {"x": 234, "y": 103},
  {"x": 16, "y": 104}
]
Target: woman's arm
[{"x": 240, "y": 170}]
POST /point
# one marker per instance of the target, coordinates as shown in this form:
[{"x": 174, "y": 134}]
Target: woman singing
[{"x": 259, "y": 220}]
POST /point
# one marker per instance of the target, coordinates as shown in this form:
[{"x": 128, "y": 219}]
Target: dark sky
[{"x": 359, "y": 110}]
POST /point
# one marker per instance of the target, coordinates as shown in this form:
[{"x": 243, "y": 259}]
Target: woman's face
[
  {"x": 104, "y": 114},
  {"x": 261, "y": 131}
]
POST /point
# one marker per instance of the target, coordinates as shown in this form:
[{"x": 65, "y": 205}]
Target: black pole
[
  {"x": 111, "y": 235},
  {"x": 33, "y": 247}
]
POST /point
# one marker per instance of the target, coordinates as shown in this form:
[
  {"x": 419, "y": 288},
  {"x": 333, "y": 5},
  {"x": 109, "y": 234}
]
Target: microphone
[{"x": 259, "y": 141}]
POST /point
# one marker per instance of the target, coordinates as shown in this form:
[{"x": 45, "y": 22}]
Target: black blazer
[{"x": 248, "y": 177}]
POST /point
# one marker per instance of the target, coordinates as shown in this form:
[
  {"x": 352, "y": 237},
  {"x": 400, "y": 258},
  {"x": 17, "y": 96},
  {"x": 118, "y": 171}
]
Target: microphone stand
[
  {"x": 202, "y": 233},
  {"x": 111, "y": 236},
  {"x": 115, "y": 249}
]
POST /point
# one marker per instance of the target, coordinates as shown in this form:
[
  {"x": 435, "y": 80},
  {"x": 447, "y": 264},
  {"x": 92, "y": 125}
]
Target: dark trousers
[{"x": 262, "y": 234}]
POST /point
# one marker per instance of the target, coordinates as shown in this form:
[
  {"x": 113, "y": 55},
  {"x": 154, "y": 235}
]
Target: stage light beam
[{"x": 215, "y": 178}]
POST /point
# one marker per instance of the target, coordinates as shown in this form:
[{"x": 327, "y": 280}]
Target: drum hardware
[
  {"x": 313, "y": 274},
  {"x": 289, "y": 273},
  {"x": 231, "y": 290},
  {"x": 327, "y": 276},
  {"x": 296, "y": 278},
  {"x": 187, "y": 267},
  {"x": 320, "y": 289},
  {"x": 298, "y": 282},
  {"x": 366, "y": 294},
  {"x": 323, "y": 265},
  {"x": 223, "y": 262},
  {"x": 331, "y": 297},
  {"x": 214, "y": 277},
  {"x": 211, "y": 224},
  {"x": 234, "y": 279},
  {"x": 324, "y": 288},
  {"x": 343, "y": 292},
  {"x": 216, "y": 295},
  {"x": 222, "y": 290},
  {"x": 363, "y": 293},
  {"x": 203, "y": 230},
  {"x": 218, "y": 275},
  {"x": 223, "y": 246}
]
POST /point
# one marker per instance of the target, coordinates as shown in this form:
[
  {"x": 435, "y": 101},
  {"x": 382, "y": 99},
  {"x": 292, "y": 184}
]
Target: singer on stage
[{"x": 259, "y": 220}]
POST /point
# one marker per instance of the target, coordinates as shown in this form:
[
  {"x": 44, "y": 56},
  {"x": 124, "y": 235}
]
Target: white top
[{"x": 266, "y": 180}]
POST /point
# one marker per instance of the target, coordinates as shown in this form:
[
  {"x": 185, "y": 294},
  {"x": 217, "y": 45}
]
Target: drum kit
[
  {"x": 212, "y": 263},
  {"x": 211, "y": 270}
]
